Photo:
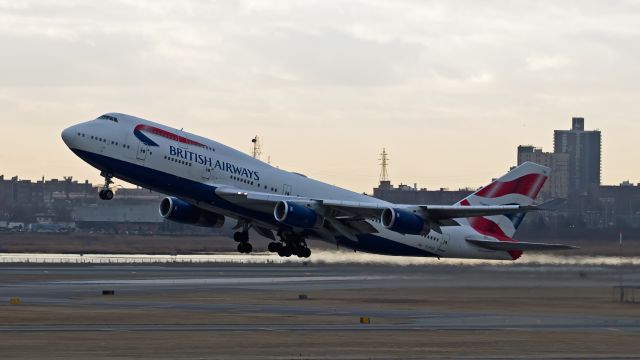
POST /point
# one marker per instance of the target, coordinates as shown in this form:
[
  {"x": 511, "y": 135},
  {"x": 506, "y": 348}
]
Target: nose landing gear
[{"x": 106, "y": 193}]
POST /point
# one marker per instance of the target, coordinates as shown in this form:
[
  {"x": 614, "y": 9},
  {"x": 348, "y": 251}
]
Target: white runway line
[
  {"x": 318, "y": 257},
  {"x": 221, "y": 281}
]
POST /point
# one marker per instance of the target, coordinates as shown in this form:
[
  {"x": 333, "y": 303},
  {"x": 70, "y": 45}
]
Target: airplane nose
[{"x": 67, "y": 134}]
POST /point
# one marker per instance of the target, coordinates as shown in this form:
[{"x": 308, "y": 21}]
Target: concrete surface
[{"x": 253, "y": 311}]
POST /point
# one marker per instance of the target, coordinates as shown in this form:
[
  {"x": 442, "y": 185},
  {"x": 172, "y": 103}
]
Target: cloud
[
  {"x": 334, "y": 58},
  {"x": 541, "y": 63},
  {"x": 401, "y": 69}
]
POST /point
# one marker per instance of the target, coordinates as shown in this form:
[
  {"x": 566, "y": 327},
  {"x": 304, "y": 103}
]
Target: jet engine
[
  {"x": 297, "y": 215},
  {"x": 403, "y": 221},
  {"x": 177, "y": 210}
]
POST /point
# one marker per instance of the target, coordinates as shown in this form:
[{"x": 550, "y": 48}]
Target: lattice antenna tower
[
  {"x": 257, "y": 147},
  {"x": 384, "y": 161}
]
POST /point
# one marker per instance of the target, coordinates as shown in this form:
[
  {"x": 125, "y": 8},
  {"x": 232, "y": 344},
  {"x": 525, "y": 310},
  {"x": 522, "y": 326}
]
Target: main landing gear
[
  {"x": 291, "y": 244},
  {"x": 106, "y": 193},
  {"x": 242, "y": 238}
]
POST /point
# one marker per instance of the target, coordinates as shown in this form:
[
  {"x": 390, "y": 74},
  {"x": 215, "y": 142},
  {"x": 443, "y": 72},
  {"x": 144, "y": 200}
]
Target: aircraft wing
[
  {"x": 338, "y": 208},
  {"x": 346, "y": 218},
  {"x": 362, "y": 210}
]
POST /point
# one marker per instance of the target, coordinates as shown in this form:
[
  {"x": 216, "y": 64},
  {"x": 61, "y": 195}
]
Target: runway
[
  {"x": 404, "y": 303},
  {"x": 437, "y": 321}
]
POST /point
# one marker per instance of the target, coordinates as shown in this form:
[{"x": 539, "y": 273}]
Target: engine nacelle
[
  {"x": 403, "y": 221},
  {"x": 297, "y": 215},
  {"x": 177, "y": 210}
]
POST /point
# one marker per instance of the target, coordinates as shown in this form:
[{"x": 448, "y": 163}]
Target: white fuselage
[{"x": 193, "y": 167}]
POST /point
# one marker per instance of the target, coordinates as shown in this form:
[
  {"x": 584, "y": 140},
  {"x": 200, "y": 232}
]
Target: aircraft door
[
  {"x": 182, "y": 143},
  {"x": 286, "y": 189},
  {"x": 207, "y": 172},
  {"x": 142, "y": 151},
  {"x": 443, "y": 243}
]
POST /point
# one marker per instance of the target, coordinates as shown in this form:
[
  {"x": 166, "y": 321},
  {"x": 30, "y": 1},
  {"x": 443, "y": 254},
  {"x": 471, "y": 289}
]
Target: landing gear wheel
[
  {"x": 304, "y": 252},
  {"x": 244, "y": 248},
  {"x": 285, "y": 251},
  {"x": 292, "y": 244},
  {"x": 105, "y": 194},
  {"x": 274, "y": 247}
]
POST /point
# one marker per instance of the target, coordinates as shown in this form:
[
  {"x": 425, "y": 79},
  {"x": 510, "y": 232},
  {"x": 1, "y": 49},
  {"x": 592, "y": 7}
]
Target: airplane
[{"x": 207, "y": 183}]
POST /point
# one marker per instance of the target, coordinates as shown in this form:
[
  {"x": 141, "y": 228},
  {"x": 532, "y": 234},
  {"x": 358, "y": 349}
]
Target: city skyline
[
  {"x": 450, "y": 89},
  {"x": 524, "y": 153}
]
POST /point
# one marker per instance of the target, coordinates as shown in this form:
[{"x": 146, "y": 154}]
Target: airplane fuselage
[{"x": 192, "y": 168}]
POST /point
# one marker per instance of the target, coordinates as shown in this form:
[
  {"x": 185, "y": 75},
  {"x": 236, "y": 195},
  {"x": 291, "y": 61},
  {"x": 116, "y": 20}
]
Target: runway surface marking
[
  {"x": 219, "y": 281},
  {"x": 314, "y": 327}
]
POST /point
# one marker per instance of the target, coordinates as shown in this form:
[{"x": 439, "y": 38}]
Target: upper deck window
[{"x": 108, "y": 117}]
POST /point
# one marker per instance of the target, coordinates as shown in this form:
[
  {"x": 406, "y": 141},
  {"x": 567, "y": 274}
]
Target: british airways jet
[{"x": 207, "y": 183}]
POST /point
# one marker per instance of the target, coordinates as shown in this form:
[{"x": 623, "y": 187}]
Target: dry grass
[{"x": 318, "y": 345}]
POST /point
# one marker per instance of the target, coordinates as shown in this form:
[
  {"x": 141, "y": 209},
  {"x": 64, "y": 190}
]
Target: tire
[
  {"x": 274, "y": 247},
  {"x": 247, "y": 248},
  {"x": 108, "y": 194},
  {"x": 241, "y": 248},
  {"x": 306, "y": 252},
  {"x": 101, "y": 195},
  {"x": 285, "y": 251}
]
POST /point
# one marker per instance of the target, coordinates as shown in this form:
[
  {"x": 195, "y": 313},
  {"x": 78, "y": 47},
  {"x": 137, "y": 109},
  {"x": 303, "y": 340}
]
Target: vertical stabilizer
[{"x": 519, "y": 186}]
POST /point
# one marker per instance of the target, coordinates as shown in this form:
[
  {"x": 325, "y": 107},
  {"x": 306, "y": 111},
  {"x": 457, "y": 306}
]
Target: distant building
[
  {"x": 618, "y": 206},
  {"x": 405, "y": 194},
  {"x": 557, "y": 186},
  {"x": 118, "y": 216},
  {"x": 584, "y": 149},
  {"x": 42, "y": 192},
  {"x": 139, "y": 194}
]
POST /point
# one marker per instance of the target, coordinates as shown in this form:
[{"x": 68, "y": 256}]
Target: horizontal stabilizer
[
  {"x": 512, "y": 245},
  {"x": 438, "y": 212}
]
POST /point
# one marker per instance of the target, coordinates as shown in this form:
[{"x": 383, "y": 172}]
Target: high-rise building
[
  {"x": 558, "y": 182},
  {"x": 583, "y": 147}
]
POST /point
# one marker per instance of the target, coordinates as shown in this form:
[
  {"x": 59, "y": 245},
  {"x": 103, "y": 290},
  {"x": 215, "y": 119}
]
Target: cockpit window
[{"x": 108, "y": 117}]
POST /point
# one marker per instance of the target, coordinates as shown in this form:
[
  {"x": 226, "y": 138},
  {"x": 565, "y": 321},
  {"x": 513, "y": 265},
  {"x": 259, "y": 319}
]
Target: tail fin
[{"x": 519, "y": 186}]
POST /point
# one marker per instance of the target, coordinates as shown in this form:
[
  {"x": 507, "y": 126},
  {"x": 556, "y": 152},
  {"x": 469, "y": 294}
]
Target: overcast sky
[{"x": 450, "y": 88}]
